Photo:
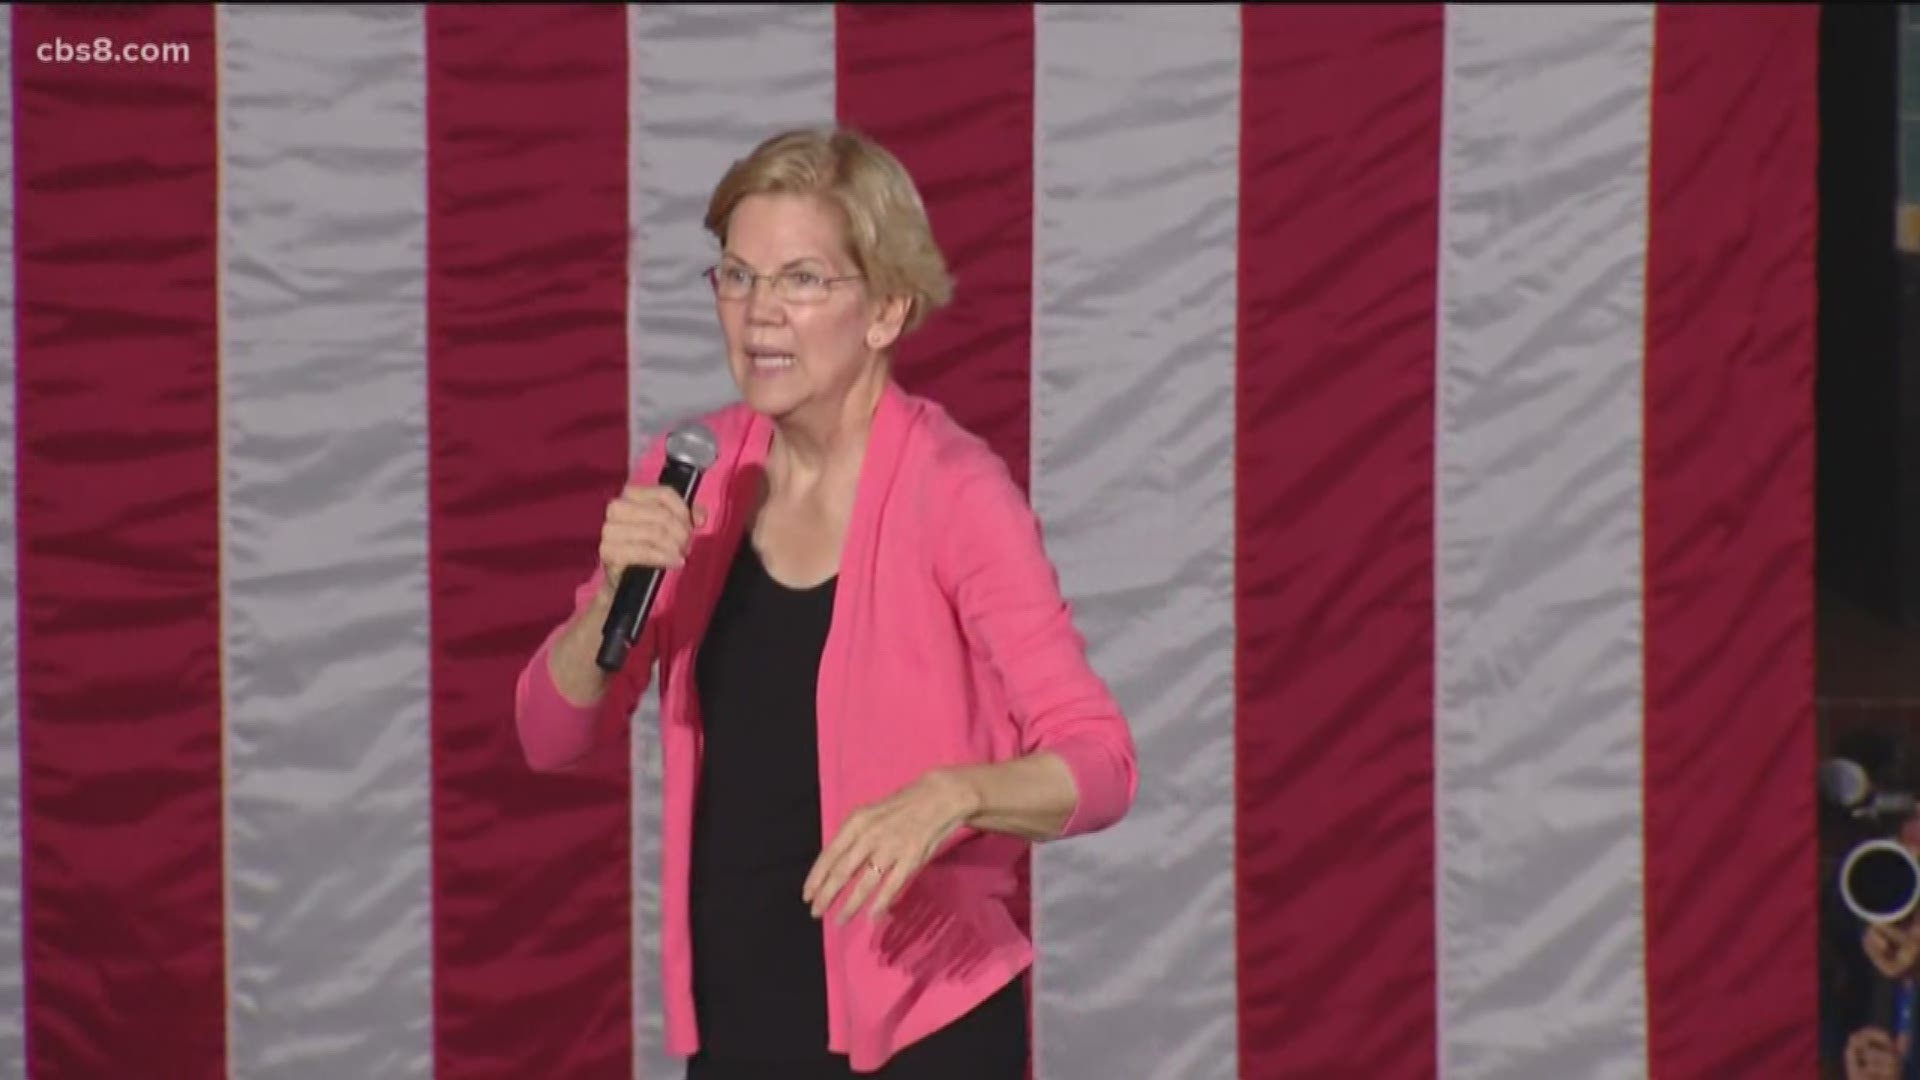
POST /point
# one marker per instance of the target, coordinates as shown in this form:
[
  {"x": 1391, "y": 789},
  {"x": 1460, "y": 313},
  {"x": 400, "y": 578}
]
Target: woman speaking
[{"x": 873, "y": 698}]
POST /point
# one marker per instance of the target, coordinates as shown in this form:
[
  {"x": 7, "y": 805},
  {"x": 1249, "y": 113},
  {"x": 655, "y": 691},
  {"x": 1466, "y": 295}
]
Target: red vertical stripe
[
  {"x": 949, "y": 90},
  {"x": 527, "y": 224},
  {"x": 1339, "y": 211},
  {"x": 1730, "y": 849},
  {"x": 119, "y": 545}
]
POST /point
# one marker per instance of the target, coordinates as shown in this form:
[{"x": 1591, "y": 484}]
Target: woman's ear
[{"x": 887, "y": 322}]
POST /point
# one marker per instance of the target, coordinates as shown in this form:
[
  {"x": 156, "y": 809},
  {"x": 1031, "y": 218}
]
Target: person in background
[
  {"x": 1873, "y": 1052},
  {"x": 874, "y": 698}
]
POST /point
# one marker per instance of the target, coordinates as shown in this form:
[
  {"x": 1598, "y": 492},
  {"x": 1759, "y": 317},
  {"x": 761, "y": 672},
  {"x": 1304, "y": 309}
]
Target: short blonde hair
[{"x": 887, "y": 230}]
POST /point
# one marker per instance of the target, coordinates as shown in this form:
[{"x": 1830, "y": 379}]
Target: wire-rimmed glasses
[{"x": 798, "y": 286}]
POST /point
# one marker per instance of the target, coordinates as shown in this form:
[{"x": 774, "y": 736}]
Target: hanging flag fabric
[{"x": 1417, "y": 401}]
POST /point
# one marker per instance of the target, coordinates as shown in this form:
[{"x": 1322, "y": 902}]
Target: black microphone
[{"x": 691, "y": 450}]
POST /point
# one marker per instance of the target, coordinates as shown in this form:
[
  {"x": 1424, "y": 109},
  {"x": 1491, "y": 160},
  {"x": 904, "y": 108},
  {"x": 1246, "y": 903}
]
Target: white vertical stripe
[
  {"x": 12, "y": 891},
  {"x": 709, "y": 83},
  {"x": 1538, "y": 517},
  {"x": 323, "y": 371},
  {"x": 1137, "y": 128}
]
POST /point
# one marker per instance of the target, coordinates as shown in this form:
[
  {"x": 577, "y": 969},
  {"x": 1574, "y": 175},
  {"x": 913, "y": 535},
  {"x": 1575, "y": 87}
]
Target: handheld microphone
[
  {"x": 1846, "y": 785},
  {"x": 691, "y": 450}
]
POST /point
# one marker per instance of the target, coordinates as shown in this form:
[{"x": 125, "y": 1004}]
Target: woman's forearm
[
  {"x": 572, "y": 663},
  {"x": 1031, "y": 797}
]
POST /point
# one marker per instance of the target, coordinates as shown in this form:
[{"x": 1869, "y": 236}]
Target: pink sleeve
[
  {"x": 1008, "y": 596},
  {"x": 557, "y": 734}
]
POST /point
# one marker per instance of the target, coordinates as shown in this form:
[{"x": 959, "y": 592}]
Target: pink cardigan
[{"x": 950, "y": 644}]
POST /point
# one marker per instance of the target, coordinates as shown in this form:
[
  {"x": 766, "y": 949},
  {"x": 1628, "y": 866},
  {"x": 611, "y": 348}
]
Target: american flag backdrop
[{"x": 1418, "y": 401}]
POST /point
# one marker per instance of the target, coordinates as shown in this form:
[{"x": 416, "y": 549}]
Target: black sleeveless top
[
  {"x": 759, "y": 962},
  {"x": 759, "y": 956}
]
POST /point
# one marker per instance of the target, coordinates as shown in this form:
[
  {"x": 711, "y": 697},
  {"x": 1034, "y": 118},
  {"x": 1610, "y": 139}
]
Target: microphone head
[
  {"x": 1844, "y": 783},
  {"x": 694, "y": 444}
]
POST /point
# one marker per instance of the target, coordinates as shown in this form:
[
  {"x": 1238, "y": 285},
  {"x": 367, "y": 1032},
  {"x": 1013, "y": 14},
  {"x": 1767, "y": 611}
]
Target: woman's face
[{"x": 786, "y": 356}]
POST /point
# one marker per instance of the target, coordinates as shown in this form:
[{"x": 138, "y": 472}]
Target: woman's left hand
[{"x": 882, "y": 845}]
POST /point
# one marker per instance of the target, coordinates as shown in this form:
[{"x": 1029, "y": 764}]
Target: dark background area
[
  {"x": 1867, "y": 517},
  {"x": 1868, "y": 385}
]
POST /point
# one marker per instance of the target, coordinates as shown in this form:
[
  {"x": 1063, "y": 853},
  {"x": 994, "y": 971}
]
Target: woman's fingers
[
  {"x": 648, "y": 526},
  {"x": 892, "y": 883},
  {"x": 836, "y": 864},
  {"x": 618, "y": 556},
  {"x": 866, "y": 878}
]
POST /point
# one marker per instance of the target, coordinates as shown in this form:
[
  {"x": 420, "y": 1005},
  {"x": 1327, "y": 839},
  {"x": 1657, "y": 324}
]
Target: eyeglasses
[{"x": 794, "y": 286}]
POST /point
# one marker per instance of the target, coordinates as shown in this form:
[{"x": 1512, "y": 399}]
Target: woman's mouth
[{"x": 769, "y": 361}]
